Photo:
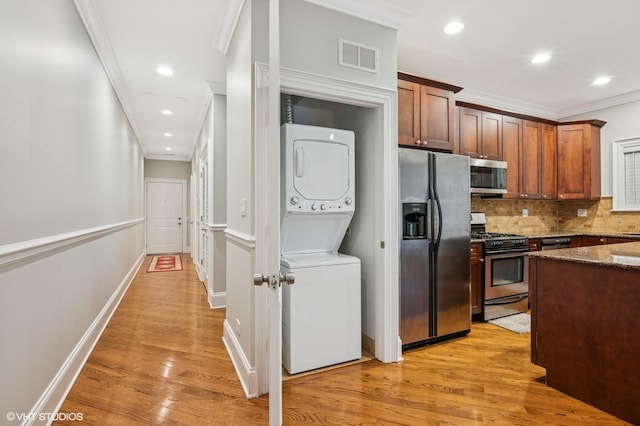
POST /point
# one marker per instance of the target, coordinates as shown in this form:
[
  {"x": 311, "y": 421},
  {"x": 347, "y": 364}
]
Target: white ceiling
[{"x": 490, "y": 59}]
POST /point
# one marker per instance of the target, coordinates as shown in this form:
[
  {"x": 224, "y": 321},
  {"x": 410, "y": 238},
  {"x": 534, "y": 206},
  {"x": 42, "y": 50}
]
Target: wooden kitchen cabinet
[
  {"x": 538, "y": 161},
  {"x": 591, "y": 240},
  {"x": 477, "y": 278},
  {"x": 579, "y": 160},
  {"x": 480, "y": 134},
  {"x": 618, "y": 240},
  {"x": 426, "y": 110},
  {"x": 535, "y": 244},
  {"x": 549, "y": 162},
  {"x": 511, "y": 146}
]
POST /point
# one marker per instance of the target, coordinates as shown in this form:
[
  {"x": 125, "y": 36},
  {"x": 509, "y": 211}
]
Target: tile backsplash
[
  {"x": 599, "y": 217},
  {"x": 506, "y": 215},
  {"x": 551, "y": 216}
]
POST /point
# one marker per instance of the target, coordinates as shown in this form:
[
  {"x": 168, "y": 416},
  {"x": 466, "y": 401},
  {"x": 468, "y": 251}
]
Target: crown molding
[
  {"x": 202, "y": 116},
  {"x": 94, "y": 25},
  {"x": 507, "y": 104},
  {"x": 602, "y": 104},
  {"x": 228, "y": 22},
  {"x": 389, "y": 14},
  {"x": 217, "y": 87}
]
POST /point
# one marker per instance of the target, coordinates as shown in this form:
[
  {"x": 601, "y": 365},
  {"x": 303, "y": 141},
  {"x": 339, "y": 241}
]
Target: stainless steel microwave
[{"x": 488, "y": 176}]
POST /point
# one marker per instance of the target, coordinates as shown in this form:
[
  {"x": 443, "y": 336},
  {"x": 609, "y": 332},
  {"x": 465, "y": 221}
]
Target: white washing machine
[{"x": 321, "y": 311}]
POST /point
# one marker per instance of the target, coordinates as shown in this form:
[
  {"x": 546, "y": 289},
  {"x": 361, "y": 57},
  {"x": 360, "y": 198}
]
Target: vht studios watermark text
[{"x": 21, "y": 417}]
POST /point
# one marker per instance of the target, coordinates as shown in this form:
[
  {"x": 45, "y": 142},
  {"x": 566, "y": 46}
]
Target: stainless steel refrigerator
[{"x": 435, "y": 246}]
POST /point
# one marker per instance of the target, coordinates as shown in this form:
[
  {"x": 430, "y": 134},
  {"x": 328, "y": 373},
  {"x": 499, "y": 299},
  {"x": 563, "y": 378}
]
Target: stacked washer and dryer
[{"x": 321, "y": 311}]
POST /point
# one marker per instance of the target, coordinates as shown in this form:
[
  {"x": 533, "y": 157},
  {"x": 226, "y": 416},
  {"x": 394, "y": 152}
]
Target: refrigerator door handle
[{"x": 438, "y": 236}]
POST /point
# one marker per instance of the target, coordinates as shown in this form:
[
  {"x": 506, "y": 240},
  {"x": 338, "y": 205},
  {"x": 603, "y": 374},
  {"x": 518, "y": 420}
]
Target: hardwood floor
[{"x": 161, "y": 360}]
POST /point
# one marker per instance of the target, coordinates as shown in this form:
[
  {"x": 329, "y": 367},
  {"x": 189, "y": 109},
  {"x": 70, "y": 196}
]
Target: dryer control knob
[
  {"x": 323, "y": 206},
  {"x": 348, "y": 201},
  {"x": 314, "y": 207},
  {"x": 294, "y": 200}
]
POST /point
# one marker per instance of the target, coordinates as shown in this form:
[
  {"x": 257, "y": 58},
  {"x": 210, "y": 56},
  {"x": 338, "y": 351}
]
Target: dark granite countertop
[
  {"x": 553, "y": 234},
  {"x": 623, "y": 255}
]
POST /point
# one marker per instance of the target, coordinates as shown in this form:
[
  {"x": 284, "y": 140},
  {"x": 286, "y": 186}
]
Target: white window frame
[{"x": 620, "y": 147}]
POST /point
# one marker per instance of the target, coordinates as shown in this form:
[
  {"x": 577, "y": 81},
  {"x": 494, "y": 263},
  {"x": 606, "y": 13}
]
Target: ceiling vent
[{"x": 356, "y": 55}]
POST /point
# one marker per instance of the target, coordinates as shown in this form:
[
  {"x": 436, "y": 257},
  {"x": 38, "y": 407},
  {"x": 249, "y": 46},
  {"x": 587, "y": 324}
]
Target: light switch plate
[
  {"x": 582, "y": 212},
  {"x": 243, "y": 207},
  {"x": 525, "y": 212}
]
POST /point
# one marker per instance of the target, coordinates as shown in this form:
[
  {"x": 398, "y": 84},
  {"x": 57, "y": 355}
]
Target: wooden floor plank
[{"x": 161, "y": 360}]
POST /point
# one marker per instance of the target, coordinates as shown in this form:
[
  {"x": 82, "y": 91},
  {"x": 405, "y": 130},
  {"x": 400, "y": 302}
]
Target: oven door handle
[{"x": 506, "y": 300}]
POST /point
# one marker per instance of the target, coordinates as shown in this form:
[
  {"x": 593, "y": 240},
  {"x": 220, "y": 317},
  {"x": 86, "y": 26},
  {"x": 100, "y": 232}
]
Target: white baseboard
[
  {"x": 246, "y": 373},
  {"x": 52, "y": 398},
  {"x": 218, "y": 300}
]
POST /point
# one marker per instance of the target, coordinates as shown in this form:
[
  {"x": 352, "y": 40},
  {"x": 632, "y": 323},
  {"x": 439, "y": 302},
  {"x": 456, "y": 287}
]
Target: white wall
[
  {"x": 622, "y": 123},
  {"x": 219, "y": 195},
  {"x": 69, "y": 163},
  {"x": 247, "y": 45},
  {"x": 309, "y": 42},
  {"x": 168, "y": 169},
  {"x": 362, "y": 239},
  {"x": 213, "y": 142}
]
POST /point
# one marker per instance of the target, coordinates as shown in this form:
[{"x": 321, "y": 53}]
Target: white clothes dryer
[{"x": 318, "y": 188}]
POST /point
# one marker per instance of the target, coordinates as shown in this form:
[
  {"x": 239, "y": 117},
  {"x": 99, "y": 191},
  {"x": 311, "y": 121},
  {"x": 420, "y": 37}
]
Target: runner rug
[{"x": 164, "y": 263}]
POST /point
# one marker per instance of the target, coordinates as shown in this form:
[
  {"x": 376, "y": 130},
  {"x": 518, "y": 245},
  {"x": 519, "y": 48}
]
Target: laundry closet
[{"x": 327, "y": 231}]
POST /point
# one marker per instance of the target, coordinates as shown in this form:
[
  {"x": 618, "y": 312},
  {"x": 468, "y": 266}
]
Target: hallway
[{"x": 161, "y": 360}]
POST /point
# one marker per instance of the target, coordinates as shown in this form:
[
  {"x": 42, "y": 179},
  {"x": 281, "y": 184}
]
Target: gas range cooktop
[
  {"x": 483, "y": 235},
  {"x": 496, "y": 242}
]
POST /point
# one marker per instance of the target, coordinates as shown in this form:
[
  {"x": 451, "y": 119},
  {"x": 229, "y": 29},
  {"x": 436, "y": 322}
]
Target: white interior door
[{"x": 165, "y": 216}]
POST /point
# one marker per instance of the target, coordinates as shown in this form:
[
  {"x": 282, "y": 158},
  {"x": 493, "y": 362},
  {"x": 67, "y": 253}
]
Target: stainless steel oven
[{"x": 506, "y": 281}]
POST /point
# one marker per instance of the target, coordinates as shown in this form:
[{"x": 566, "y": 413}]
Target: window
[{"x": 626, "y": 175}]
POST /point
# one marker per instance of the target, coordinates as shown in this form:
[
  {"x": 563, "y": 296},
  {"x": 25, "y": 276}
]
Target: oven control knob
[
  {"x": 314, "y": 206},
  {"x": 323, "y": 206},
  {"x": 294, "y": 200},
  {"x": 348, "y": 201}
]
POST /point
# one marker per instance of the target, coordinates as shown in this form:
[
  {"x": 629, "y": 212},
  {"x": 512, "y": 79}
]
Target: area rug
[
  {"x": 165, "y": 263},
  {"x": 518, "y": 323}
]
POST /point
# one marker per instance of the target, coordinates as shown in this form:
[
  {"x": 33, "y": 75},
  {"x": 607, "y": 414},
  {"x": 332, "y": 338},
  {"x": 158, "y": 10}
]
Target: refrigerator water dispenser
[{"x": 414, "y": 215}]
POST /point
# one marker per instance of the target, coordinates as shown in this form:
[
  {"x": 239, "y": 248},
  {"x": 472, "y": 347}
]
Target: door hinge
[{"x": 382, "y": 244}]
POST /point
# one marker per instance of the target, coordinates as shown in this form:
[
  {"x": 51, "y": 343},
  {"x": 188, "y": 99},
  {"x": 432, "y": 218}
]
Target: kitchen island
[{"x": 585, "y": 324}]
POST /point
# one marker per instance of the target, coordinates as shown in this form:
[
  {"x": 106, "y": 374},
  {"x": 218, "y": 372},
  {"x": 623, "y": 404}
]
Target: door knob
[
  {"x": 259, "y": 279},
  {"x": 274, "y": 280}
]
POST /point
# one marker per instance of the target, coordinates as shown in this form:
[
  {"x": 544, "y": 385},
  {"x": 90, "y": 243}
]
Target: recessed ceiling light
[
  {"x": 180, "y": 99},
  {"x": 167, "y": 134},
  {"x": 540, "y": 58},
  {"x": 601, "y": 80},
  {"x": 454, "y": 27},
  {"x": 164, "y": 70},
  {"x": 168, "y": 148},
  {"x": 166, "y": 112}
]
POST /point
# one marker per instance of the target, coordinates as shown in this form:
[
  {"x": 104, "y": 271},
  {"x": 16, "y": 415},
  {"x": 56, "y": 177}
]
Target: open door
[{"x": 267, "y": 208}]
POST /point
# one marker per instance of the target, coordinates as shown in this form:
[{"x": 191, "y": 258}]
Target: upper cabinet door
[
  {"x": 549, "y": 163},
  {"x": 491, "y": 136},
  {"x": 470, "y": 132},
  {"x": 426, "y": 114},
  {"x": 480, "y": 133},
  {"x": 436, "y": 118},
  {"x": 578, "y": 162},
  {"x": 530, "y": 156},
  {"x": 408, "y": 113},
  {"x": 511, "y": 145}
]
